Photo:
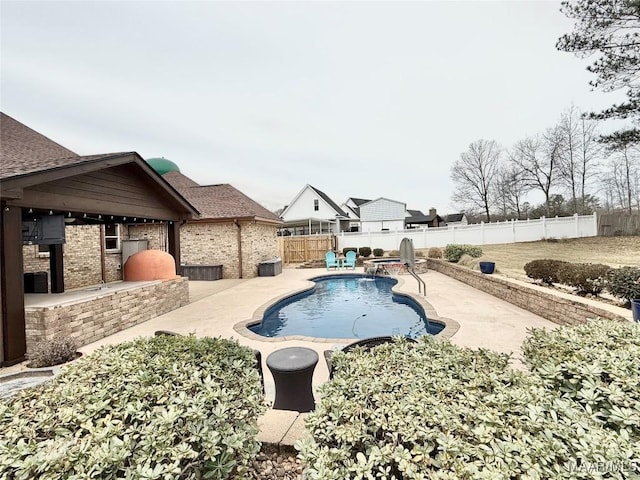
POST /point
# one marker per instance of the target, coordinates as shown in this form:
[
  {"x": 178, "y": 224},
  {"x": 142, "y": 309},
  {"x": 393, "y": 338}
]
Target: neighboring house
[
  {"x": 352, "y": 208},
  {"x": 382, "y": 214},
  {"x": 457, "y": 219},
  {"x": 232, "y": 230},
  {"x": 86, "y": 203},
  {"x": 416, "y": 219},
  {"x": 313, "y": 212}
]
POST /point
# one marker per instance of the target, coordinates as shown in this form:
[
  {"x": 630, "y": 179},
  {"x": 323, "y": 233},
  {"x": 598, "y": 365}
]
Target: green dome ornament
[{"x": 161, "y": 165}]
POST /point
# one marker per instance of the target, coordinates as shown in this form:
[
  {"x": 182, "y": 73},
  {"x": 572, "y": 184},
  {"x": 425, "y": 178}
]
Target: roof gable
[{"x": 330, "y": 203}]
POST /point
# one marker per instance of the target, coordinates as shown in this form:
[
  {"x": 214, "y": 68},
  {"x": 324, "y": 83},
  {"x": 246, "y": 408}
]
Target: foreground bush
[
  {"x": 349, "y": 249},
  {"x": 453, "y": 252},
  {"x": 624, "y": 283},
  {"x": 585, "y": 277},
  {"x": 545, "y": 270},
  {"x": 434, "y": 252},
  {"x": 436, "y": 411},
  {"x": 364, "y": 251},
  {"x": 53, "y": 352},
  {"x": 167, "y": 407},
  {"x": 378, "y": 252},
  {"x": 596, "y": 366}
]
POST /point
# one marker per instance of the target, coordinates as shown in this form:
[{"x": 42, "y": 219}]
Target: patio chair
[
  {"x": 366, "y": 343},
  {"x": 331, "y": 260},
  {"x": 350, "y": 260}
]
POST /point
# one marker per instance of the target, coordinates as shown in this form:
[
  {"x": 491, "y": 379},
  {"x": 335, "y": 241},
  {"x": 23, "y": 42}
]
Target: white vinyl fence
[{"x": 511, "y": 231}]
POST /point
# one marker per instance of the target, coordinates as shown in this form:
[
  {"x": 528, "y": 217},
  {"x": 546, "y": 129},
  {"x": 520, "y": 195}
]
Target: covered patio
[{"x": 47, "y": 188}]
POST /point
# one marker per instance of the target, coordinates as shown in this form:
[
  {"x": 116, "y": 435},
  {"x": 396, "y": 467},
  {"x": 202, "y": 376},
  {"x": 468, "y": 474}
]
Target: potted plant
[
  {"x": 624, "y": 282},
  {"x": 635, "y": 309},
  {"x": 487, "y": 267}
]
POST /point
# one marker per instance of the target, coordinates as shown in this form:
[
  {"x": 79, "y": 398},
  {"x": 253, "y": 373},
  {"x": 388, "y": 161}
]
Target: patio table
[{"x": 292, "y": 369}]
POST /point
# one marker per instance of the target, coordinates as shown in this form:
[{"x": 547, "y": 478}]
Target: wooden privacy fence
[
  {"x": 610, "y": 224},
  {"x": 303, "y": 248}
]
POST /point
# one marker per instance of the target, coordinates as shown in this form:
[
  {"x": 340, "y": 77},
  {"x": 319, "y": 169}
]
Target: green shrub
[
  {"x": 594, "y": 365},
  {"x": 53, "y": 352},
  {"x": 419, "y": 254},
  {"x": 545, "y": 270},
  {"x": 433, "y": 410},
  {"x": 586, "y": 278},
  {"x": 453, "y": 252},
  {"x": 164, "y": 407},
  {"x": 624, "y": 283},
  {"x": 364, "y": 252},
  {"x": 378, "y": 252},
  {"x": 349, "y": 249},
  {"x": 394, "y": 253},
  {"x": 434, "y": 252}
]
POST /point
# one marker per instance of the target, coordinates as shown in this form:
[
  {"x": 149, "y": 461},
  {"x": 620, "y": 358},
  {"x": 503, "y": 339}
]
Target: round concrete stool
[{"x": 292, "y": 369}]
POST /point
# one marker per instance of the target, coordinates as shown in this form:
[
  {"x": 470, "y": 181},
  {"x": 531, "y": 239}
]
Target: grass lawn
[{"x": 615, "y": 251}]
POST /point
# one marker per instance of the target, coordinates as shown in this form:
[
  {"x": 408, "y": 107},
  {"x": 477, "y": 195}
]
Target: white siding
[
  {"x": 381, "y": 225},
  {"x": 383, "y": 210},
  {"x": 303, "y": 207}
]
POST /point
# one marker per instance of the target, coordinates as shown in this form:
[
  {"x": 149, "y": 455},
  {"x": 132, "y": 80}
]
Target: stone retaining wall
[
  {"x": 560, "y": 310},
  {"x": 107, "y": 313}
]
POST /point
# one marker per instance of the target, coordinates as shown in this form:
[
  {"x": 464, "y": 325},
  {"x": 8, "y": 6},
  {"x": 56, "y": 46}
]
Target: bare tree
[
  {"x": 591, "y": 156},
  {"x": 623, "y": 173},
  {"x": 579, "y": 155},
  {"x": 511, "y": 189},
  {"x": 538, "y": 158},
  {"x": 474, "y": 174}
]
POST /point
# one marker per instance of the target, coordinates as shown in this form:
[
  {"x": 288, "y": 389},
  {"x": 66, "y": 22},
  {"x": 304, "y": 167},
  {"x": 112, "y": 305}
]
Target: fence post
[
  {"x": 482, "y": 233},
  {"x": 514, "y": 224},
  {"x": 595, "y": 224},
  {"x": 544, "y": 227},
  {"x": 576, "y": 222}
]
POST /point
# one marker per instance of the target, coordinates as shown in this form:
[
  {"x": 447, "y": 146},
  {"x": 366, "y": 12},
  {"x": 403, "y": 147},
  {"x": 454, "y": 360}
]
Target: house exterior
[
  {"x": 232, "y": 229},
  {"x": 417, "y": 219},
  {"x": 382, "y": 214},
  {"x": 352, "y": 208},
  {"x": 456, "y": 219},
  {"x": 89, "y": 202},
  {"x": 313, "y": 212}
]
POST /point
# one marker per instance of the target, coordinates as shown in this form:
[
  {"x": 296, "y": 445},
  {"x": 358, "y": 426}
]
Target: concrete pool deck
[{"x": 216, "y": 307}]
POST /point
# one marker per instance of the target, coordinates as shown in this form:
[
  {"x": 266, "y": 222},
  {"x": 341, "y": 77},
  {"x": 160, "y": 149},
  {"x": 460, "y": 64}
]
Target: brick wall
[
  {"x": 204, "y": 243},
  {"x": 560, "y": 310},
  {"x": 106, "y": 313},
  {"x": 82, "y": 264}
]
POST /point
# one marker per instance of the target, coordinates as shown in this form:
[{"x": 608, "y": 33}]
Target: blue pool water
[{"x": 347, "y": 306}]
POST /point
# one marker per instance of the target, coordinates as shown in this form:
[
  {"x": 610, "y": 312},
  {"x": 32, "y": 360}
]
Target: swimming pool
[{"x": 347, "y": 306}]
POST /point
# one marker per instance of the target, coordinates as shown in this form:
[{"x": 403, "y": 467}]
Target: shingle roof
[
  {"x": 359, "y": 201},
  {"x": 454, "y": 217},
  {"x": 415, "y": 213},
  {"x": 178, "y": 180},
  {"x": 23, "y": 150},
  {"x": 219, "y": 201},
  {"x": 326, "y": 198}
]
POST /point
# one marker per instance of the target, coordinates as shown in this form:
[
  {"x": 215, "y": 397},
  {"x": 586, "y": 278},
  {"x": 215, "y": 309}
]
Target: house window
[
  {"x": 112, "y": 238},
  {"x": 316, "y": 205}
]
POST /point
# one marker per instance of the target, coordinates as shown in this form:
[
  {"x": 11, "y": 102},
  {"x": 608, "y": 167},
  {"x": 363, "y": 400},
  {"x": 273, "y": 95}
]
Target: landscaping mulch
[{"x": 276, "y": 466}]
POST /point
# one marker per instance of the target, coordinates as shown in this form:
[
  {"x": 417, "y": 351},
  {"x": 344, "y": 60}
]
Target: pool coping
[{"x": 450, "y": 326}]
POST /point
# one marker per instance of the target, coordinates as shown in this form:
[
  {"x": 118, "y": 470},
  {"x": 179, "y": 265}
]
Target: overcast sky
[{"x": 358, "y": 99}]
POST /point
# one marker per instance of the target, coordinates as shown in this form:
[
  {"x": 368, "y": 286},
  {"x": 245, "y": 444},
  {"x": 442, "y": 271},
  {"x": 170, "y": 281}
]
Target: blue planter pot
[
  {"x": 487, "y": 267},
  {"x": 635, "y": 309}
]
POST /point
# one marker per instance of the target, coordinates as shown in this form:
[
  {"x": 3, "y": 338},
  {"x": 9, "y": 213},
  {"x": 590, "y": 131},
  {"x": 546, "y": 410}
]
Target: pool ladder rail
[{"x": 422, "y": 287}]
